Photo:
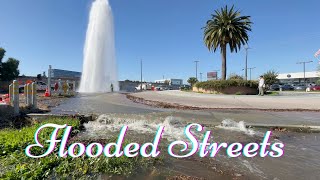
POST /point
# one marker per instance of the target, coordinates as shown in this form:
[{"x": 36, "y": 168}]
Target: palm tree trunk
[{"x": 224, "y": 62}]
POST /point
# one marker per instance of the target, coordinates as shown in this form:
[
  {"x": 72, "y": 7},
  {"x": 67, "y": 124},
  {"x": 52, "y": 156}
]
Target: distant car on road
[
  {"x": 275, "y": 87},
  {"x": 315, "y": 88},
  {"x": 287, "y": 87}
]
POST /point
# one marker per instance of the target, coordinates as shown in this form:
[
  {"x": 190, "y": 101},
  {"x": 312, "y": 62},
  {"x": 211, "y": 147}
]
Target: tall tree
[
  {"x": 2, "y": 53},
  {"x": 226, "y": 27},
  {"x": 9, "y": 70},
  {"x": 270, "y": 77}
]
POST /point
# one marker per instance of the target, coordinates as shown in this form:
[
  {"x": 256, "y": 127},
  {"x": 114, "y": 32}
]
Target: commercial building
[
  {"x": 59, "y": 73},
  {"x": 297, "y": 78},
  {"x": 177, "y": 82}
]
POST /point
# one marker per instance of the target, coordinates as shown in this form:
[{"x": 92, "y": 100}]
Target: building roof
[{"x": 299, "y": 75}]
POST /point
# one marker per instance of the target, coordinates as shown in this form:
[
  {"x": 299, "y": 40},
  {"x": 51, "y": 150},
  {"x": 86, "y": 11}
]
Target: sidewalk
[{"x": 211, "y": 101}]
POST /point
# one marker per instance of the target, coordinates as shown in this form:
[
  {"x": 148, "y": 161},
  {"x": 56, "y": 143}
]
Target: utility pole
[
  {"x": 141, "y": 74},
  {"x": 250, "y": 71},
  {"x": 196, "y": 68},
  {"x": 49, "y": 80},
  {"x": 246, "y": 68},
  {"x": 200, "y": 77},
  {"x": 304, "y": 69}
]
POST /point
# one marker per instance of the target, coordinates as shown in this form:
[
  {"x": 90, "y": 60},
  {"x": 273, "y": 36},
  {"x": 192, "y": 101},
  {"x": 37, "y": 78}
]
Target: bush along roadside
[
  {"x": 219, "y": 85},
  {"x": 14, "y": 164}
]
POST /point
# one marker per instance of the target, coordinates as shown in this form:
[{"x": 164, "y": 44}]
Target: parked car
[
  {"x": 185, "y": 87},
  {"x": 160, "y": 88},
  {"x": 315, "y": 88},
  {"x": 170, "y": 88},
  {"x": 287, "y": 87},
  {"x": 300, "y": 87},
  {"x": 145, "y": 86},
  {"x": 275, "y": 87}
]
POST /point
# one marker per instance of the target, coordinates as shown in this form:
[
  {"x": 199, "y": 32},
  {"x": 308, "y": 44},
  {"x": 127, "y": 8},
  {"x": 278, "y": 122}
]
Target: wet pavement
[
  {"x": 219, "y": 101},
  {"x": 118, "y": 103},
  {"x": 300, "y": 161}
]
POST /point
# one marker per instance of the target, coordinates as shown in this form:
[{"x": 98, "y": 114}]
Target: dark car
[
  {"x": 315, "y": 88},
  {"x": 275, "y": 87},
  {"x": 287, "y": 87},
  {"x": 185, "y": 87}
]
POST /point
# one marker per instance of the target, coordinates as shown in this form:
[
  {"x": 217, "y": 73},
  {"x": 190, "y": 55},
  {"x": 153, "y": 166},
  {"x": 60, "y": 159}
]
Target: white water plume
[
  {"x": 174, "y": 129},
  {"x": 99, "y": 65},
  {"x": 229, "y": 124}
]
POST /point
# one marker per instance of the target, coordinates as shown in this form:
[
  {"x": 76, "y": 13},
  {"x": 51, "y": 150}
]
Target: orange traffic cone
[
  {"x": 5, "y": 99},
  {"x": 47, "y": 94}
]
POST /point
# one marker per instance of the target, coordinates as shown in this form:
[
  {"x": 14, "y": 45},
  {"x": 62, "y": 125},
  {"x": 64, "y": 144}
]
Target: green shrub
[{"x": 222, "y": 84}]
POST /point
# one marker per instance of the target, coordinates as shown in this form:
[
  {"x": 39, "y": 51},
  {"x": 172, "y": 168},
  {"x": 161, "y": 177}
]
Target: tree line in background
[{"x": 9, "y": 70}]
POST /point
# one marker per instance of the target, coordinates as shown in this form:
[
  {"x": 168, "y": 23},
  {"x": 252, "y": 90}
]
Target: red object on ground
[
  {"x": 315, "y": 88},
  {"x": 152, "y": 88},
  {"x": 47, "y": 94},
  {"x": 5, "y": 98}
]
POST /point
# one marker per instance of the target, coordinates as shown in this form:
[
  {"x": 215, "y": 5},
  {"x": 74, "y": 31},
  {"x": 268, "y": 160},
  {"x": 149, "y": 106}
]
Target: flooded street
[{"x": 301, "y": 153}]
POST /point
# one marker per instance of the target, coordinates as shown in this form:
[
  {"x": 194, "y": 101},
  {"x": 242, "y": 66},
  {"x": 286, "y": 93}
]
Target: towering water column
[{"x": 99, "y": 64}]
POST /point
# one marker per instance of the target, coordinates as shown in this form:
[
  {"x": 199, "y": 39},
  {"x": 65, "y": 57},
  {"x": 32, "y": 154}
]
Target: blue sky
[{"x": 166, "y": 34}]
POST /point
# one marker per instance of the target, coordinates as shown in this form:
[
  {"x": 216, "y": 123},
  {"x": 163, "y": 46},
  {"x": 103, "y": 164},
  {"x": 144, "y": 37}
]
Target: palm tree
[{"x": 225, "y": 27}]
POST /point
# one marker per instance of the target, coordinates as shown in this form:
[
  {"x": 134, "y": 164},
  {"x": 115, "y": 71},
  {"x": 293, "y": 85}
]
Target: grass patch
[
  {"x": 273, "y": 93},
  {"x": 14, "y": 164}
]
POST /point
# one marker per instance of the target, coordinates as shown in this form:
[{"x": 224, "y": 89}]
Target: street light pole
[
  {"x": 196, "y": 68},
  {"x": 304, "y": 69},
  {"x": 246, "y": 68},
  {"x": 250, "y": 71},
  {"x": 141, "y": 75},
  {"x": 200, "y": 77}
]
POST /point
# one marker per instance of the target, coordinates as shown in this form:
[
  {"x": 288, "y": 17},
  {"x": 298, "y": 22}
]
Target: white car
[{"x": 144, "y": 87}]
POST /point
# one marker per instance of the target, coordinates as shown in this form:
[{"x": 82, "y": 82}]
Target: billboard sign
[{"x": 212, "y": 75}]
